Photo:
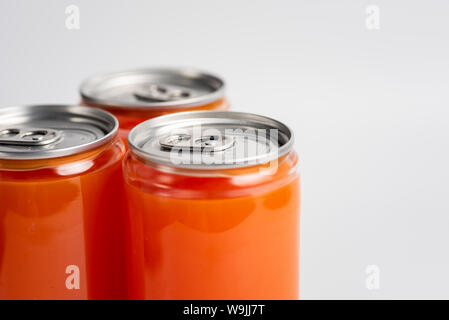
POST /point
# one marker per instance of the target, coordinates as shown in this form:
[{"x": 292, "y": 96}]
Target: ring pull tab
[
  {"x": 29, "y": 136},
  {"x": 162, "y": 93},
  {"x": 209, "y": 143}
]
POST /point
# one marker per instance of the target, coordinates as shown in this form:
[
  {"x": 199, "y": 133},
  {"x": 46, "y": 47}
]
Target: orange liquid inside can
[
  {"x": 228, "y": 233},
  {"x": 62, "y": 220}
]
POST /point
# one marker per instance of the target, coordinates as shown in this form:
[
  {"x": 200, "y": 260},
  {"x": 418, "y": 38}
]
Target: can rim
[
  {"x": 177, "y": 104},
  {"x": 158, "y": 160},
  {"x": 58, "y": 153}
]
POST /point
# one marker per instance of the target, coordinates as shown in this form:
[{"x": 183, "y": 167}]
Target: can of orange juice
[
  {"x": 213, "y": 200},
  {"x": 134, "y": 96},
  {"x": 61, "y": 204}
]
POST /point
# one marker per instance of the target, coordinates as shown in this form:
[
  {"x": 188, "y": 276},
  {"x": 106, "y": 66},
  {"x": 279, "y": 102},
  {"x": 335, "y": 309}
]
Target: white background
[{"x": 369, "y": 109}]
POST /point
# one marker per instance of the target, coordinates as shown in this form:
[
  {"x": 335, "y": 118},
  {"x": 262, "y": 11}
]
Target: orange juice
[
  {"x": 61, "y": 204},
  {"x": 214, "y": 207}
]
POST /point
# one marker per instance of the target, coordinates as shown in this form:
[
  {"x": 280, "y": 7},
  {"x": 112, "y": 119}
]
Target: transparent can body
[
  {"x": 62, "y": 226},
  {"x": 230, "y": 234}
]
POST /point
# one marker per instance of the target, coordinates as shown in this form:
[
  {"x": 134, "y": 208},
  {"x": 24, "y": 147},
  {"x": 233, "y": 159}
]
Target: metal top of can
[
  {"x": 51, "y": 131},
  {"x": 210, "y": 140},
  {"x": 153, "y": 88}
]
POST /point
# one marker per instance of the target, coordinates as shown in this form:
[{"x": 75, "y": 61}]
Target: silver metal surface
[
  {"x": 153, "y": 88},
  {"x": 210, "y": 143},
  {"x": 163, "y": 92},
  {"x": 51, "y": 131},
  {"x": 29, "y": 136},
  {"x": 224, "y": 139}
]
